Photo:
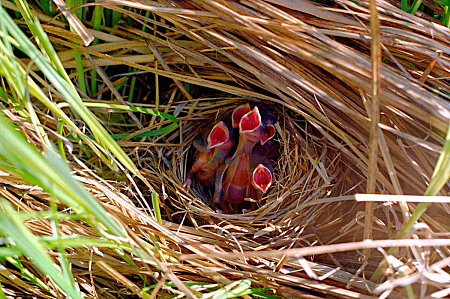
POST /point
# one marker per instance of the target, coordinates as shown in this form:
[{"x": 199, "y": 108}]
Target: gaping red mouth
[
  {"x": 250, "y": 121},
  {"x": 262, "y": 178},
  {"x": 238, "y": 113},
  {"x": 218, "y": 135},
  {"x": 267, "y": 133}
]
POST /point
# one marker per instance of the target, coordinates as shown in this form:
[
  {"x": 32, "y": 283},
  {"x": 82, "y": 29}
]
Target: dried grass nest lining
[{"x": 309, "y": 168}]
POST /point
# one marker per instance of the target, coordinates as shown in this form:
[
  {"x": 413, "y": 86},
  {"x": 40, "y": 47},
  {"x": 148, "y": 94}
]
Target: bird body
[
  {"x": 248, "y": 173},
  {"x": 261, "y": 169},
  {"x": 210, "y": 156},
  {"x": 269, "y": 118},
  {"x": 233, "y": 178}
]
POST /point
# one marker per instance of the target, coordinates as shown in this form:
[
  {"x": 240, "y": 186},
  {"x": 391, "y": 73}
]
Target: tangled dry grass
[{"x": 312, "y": 63}]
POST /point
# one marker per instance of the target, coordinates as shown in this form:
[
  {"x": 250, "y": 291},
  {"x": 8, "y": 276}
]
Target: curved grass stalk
[
  {"x": 96, "y": 22},
  {"x": 58, "y": 77},
  {"x": 12, "y": 227},
  {"x": 155, "y": 132},
  {"x": 440, "y": 177},
  {"x": 80, "y": 69},
  {"x": 49, "y": 172}
]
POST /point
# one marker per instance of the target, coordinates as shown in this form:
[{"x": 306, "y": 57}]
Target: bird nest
[
  {"x": 311, "y": 201},
  {"x": 308, "y": 168},
  {"x": 308, "y": 203}
]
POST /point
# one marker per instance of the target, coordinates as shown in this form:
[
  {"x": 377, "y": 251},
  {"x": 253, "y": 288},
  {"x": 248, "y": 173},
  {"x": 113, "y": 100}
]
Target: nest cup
[{"x": 308, "y": 171}]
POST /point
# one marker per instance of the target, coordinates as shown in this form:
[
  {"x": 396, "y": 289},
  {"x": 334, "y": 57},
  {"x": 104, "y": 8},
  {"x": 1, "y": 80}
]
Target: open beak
[
  {"x": 262, "y": 178},
  {"x": 267, "y": 133},
  {"x": 250, "y": 129},
  {"x": 238, "y": 113},
  {"x": 250, "y": 122},
  {"x": 219, "y": 135}
]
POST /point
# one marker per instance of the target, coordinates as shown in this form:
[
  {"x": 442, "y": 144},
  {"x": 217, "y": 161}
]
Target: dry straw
[{"x": 312, "y": 63}]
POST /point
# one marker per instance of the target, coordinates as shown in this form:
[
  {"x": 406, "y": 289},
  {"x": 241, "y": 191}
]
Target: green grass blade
[
  {"x": 52, "y": 243},
  {"x": 41, "y": 38},
  {"x": 2, "y": 294},
  {"x": 79, "y": 66},
  {"x": 67, "y": 90},
  {"x": 49, "y": 172},
  {"x": 62, "y": 152},
  {"x": 230, "y": 292},
  {"x": 65, "y": 265},
  {"x": 415, "y": 6},
  {"x": 13, "y": 260},
  {"x": 96, "y": 21},
  {"x": 151, "y": 133},
  {"x": 440, "y": 177},
  {"x": 116, "y": 17},
  {"x": 404, "y": 5},
  {"x": 132, "y": 88},
  {"x": 12, "y": 227},
  {"x": 80, "y": 71},
  {"x": 9, "y": 252},
  {"x": 8, "y": 61},
  {"x": 155, "y": 203},
  {"x": 443, "y": 2},
  {"x": 446, "y": 17},
  {"x": 47, "y": 5},
  {"x": 264, "y": 295},
  {"x": 154, "y": 132},
  {"x": 33, "y": 89}
]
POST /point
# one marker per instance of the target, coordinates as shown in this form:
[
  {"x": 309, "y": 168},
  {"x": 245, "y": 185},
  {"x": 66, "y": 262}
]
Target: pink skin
[
  {"x": 207, "y": 161},
  {"x": 233, "y": 178}
]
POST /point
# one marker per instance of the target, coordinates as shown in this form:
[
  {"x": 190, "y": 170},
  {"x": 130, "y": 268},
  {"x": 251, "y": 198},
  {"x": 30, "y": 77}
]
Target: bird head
[
  {"x": 238, "y": 113},
  {"x": 219, "y": 135},
  {"x": 262, "y": 178}
]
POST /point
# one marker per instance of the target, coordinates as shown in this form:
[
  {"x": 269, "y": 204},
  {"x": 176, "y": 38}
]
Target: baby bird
[
  {"x": 238, "y": 113},
  {"x": 269, "y": 118},
  {"x": 233, "y": 178},
  {"x": 262, "y": 171},
  {"x": 210, "y": 156}
]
